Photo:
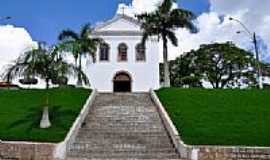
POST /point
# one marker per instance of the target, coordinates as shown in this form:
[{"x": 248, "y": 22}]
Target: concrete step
[
  {"x": 121, "y": 148},
  {"x": 109, "y": 134},
  {"x": 123, "y": 100},
  {"x": 153, "y": 139},
  {"x": 102, "y": 145},
  {"x": 122, "y": 126},
  {"x": 125, "y": 155},
  {"x": 71, "y": 158},
  {"x": 118, "y": 128}
]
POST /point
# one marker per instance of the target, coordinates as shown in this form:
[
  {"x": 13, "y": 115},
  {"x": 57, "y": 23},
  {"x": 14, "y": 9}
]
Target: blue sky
[{"x": 44, "y": 19}]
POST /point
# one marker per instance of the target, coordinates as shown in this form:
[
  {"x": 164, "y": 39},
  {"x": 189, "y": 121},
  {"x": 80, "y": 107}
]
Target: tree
[
  {"x": 223, "y": 65},
  {"x": 182, "y": 74},
  {"x": 46, "y": 64},
  {"x": 79, "y": 44},
  {"x": 162, "y": 23}
]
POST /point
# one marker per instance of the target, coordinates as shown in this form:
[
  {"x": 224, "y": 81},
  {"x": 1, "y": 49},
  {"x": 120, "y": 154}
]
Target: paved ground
[{"x": 122, "y": 126}]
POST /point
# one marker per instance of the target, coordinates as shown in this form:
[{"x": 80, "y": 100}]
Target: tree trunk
[
  {"x": 217, "y": 85},
  {"x": 79, "y": 82},
  {"x": 76, "y": 61},
  {"x": 47, "y": 84},
  {"x": 45, "y": 120},
  {"x": 167, "y": 82}
]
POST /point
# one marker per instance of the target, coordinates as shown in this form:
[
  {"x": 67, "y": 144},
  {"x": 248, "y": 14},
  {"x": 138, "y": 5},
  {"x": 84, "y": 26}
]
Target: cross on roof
[{"x": 123, "y": 8}]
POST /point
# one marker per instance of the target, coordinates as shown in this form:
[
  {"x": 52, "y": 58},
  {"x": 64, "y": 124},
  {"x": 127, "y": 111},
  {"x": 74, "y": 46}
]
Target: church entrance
[{"x": 122, "y": 82}]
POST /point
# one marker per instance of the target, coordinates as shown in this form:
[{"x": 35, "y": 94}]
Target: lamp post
[{"x": 254, "y": 40}]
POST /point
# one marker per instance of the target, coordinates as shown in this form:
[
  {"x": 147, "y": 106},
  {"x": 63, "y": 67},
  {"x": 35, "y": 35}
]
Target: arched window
[
  {"x": 140, "y": 52},
  {"x": 104, "y": 52},
  {"x": 122, "y": 52}
]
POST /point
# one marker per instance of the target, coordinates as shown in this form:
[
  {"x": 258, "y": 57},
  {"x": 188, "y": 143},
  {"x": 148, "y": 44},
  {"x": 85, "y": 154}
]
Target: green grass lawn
[
  {"x": 20, "y": 113},
  {"x": 219, "y": 117}
]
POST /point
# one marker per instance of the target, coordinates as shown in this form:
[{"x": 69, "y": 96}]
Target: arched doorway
[{"x": 122, "y": 82}]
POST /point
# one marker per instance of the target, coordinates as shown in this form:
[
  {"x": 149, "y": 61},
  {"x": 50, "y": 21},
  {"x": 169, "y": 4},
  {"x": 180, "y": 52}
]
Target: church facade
[{"x": 123, "y": 64}]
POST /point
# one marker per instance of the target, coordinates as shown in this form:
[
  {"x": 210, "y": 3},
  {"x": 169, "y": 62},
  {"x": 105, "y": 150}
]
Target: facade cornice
[
  {"x": 117, "y": 33},
  {"x": 116, "y": 18}
]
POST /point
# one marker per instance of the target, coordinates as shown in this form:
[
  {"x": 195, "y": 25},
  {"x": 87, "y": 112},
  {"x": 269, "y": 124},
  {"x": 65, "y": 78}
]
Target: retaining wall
[
  {"x": 45, "y": 151},
  {"x": 192, "y": 152},
  {"x": 232, "y": 153}
]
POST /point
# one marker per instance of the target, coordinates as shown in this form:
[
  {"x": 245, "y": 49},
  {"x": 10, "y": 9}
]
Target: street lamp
[{"x": 253, "y": 38}]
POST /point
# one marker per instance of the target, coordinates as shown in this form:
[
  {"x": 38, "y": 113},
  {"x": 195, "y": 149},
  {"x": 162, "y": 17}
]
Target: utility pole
[
  {"x": 253, "y": 37},
  {"x": 258, "y": 65}
]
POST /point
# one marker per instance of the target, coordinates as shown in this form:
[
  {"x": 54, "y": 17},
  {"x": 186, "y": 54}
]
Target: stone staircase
[{"x": 122, "y": 127}]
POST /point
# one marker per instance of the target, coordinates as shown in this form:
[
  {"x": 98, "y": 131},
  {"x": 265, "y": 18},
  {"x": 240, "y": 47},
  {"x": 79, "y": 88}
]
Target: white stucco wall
[{"x": 145, "y": 75}]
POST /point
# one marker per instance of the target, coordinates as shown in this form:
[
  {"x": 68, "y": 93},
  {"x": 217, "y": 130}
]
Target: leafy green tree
[
  {"x": 265, "y": 67},
  {"x": 181, "y": 74},
  {"x": 223, "y": 65},
  {"x": 46, "y": 64},
  {"x": 79, "y": 44},
  {"x": 162, "y": 23}
]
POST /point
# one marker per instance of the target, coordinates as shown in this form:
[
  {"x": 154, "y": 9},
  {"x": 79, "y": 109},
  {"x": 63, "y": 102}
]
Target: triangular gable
[{"x": 119, "y": 23}]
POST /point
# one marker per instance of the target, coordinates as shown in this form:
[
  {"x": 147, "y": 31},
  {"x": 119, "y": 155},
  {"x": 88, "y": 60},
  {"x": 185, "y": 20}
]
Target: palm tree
[
  {"x": 46, "y": 64},
  {"x": 162, "y": 23},
  {"x": 79, "y": 44}
]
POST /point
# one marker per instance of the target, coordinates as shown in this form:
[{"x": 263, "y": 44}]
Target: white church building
[{"x": 122, "y": 63}]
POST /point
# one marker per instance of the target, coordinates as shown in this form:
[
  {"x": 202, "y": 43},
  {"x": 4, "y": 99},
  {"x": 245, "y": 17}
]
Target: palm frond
[
  {"x": 85, "y": 31},
  {"x": 46, "y": 63},
  {"x": 164, "y": 20},
  {"x": 166, "y": 6},
  {"x": 73, "y": 70},
  {"x": 70, "y": 46},
  {"x": 172, "y": 37},
  {"x": 141, "y": 17},
  {"x": 98, "y": 40},
  {"x": 151, "y": 25},
  {"x": 68, "y": 35},
  {"x": 10, "y": 72},
  {"x": 181, "y": 18}
]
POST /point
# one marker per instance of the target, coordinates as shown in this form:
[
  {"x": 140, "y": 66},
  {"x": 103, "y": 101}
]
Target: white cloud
[
  {"x": 214, "y": 29},
  {"x": 13, "y": 41},
  {"x": 139, "y": 6},
  {"x": 256, "y": 15}
]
